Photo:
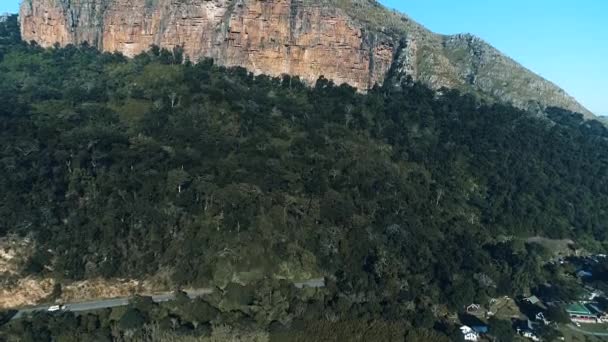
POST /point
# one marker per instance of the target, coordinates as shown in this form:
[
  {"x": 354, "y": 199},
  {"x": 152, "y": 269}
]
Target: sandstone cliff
[{"x": 348, "y": 41}]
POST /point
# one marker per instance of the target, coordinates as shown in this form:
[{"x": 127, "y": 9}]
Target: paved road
[
  {"x": 158, "y": 298},
  {"x": 577, "y": 329},
  {"x": 315, "y": 283},
  {"x": 111, "y": 303}
]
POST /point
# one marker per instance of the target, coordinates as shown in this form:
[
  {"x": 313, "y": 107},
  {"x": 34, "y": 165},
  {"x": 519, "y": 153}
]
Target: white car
[{"x": 55, "y": 308}]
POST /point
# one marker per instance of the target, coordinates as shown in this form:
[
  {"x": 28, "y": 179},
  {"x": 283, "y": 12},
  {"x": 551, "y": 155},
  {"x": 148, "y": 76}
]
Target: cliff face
[
  {"x": 348, "y": 41},
  {"x": 273, "y": 37}
]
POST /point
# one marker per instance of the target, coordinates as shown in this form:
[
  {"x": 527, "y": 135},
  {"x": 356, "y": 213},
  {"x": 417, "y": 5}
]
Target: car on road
[{"x": 55, "y": 308}]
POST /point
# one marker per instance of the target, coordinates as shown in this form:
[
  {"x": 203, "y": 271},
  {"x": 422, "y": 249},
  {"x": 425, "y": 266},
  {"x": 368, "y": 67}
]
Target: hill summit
[{"x": 348, "y": 41}]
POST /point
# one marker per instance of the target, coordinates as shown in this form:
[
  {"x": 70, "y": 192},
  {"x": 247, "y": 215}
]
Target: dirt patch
[
  {"x": 25, "y": 292},
  {"x": 14, "y": 252},
  {"x": 505, "y": 308},
  {"x": 103, "y": 288},
  {"x": 14, "y": 289}
]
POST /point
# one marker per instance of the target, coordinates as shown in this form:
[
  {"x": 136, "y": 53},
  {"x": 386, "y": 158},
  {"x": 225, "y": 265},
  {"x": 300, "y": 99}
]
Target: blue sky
[
  {"x": 10, "y": 6},
  {"x": 565, "y": 41}
]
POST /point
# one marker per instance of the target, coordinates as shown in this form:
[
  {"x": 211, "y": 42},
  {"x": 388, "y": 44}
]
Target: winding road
[
  {"x": 110, "y": 303},
  {"x": 157, "y": 298}
]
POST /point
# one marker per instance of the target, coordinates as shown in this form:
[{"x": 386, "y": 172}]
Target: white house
[
  {"x": 594, "y": 294},
  {"x": 469, "y": 334},
  {"x": 530, "y": 335},
  {"x": 527, "y": 330},
  {"x": 473, "y": 307},
  {"x": 541, "y": 318}
]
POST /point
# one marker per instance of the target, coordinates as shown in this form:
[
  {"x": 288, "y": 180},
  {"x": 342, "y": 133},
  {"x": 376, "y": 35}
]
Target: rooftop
[
  {"x": 578, "y": 309},
  {"x": 533, "y": 300}
]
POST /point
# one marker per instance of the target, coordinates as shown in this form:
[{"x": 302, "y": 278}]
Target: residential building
[
  {"x": 469, "y": 334},
  {"x": 480, "y": 329},
  {"x": 473, "y": 308},
  {"x": 601, "y": 315},
  {"x": 541, "y": 318},
  {"x": 584, "y": 274},
  {"x": 527, "y": 329},
  {"x": 581, "y": 314},
  {"x": 532, "y": 300}
]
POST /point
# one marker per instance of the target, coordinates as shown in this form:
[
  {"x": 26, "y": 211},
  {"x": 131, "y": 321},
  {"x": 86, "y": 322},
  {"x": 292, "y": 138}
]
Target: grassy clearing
[
  {"x": 505, "y": 308},
  {"x": 558, "y": 247}
]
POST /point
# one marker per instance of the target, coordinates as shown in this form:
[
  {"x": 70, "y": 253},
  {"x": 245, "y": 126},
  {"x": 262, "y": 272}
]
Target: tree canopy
[{"x": 121, "y": 167}]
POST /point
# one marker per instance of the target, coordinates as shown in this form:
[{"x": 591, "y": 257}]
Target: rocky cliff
[{"x": 348, "y": 41}]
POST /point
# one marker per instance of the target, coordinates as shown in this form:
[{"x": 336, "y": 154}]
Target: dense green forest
[{"x": 403, "y": 197}]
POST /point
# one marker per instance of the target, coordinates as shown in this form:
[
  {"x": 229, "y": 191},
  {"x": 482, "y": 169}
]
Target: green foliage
[
  {"x": 501, "y": 330},
  {"x": 6, "y": 315},
  {"x": 9, "y": 33},
  {"x": 557, "y": 314},
  {"x": 132, "y": 319},
  {"x": 120, "y": 167},
  {"x": 348, "y": 330}
]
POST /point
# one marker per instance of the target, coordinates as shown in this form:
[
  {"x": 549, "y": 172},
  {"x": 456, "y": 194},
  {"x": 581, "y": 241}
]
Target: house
[
  {"x": 601, "y": 315},
  {"x": 527, "y": 329},
  {"x": 540, "y": 317},
  {"x": 468, "y": 333},
  {"x": 473, "y": 308},
  {"x": 594, "y": 294},
  {"x": 532, "y": 300},
  {"x": 581, "y": 314},
  {"x": 584, "y": 274},
  {"x": 530, "y": 335}
]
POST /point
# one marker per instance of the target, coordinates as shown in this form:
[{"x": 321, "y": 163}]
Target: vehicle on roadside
[{"x": 55, "y": 308}]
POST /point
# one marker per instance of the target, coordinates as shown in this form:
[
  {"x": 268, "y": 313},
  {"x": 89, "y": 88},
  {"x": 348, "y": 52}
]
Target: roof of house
[
  {"x": 482, "y": 329},
  {"x": 533, "y": 300},
  {"x": 466, "y": 329},
  {"x": 577, "y": 309},
  {"x": 595, "y": 308},
  {"x": 584, "y": 274}
]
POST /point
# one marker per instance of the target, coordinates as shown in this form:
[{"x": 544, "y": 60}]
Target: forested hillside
[{"x": 408, "y": 198}]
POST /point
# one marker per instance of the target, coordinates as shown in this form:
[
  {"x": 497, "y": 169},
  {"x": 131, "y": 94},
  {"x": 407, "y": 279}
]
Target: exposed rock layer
[{"x": 348, "y": 41}]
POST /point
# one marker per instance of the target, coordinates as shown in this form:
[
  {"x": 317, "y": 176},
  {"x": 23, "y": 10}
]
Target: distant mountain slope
[{"x": 352, "y": 41}]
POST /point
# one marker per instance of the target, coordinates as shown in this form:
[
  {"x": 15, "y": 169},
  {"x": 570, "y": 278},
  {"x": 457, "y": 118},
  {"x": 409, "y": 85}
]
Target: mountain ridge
[{"x": 349, "y": 41}]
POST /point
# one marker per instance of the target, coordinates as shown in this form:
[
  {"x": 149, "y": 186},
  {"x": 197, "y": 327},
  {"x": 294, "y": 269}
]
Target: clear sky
[
  {"x": 10, "y": 6},
  {"x": 565, "y": 41}
]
